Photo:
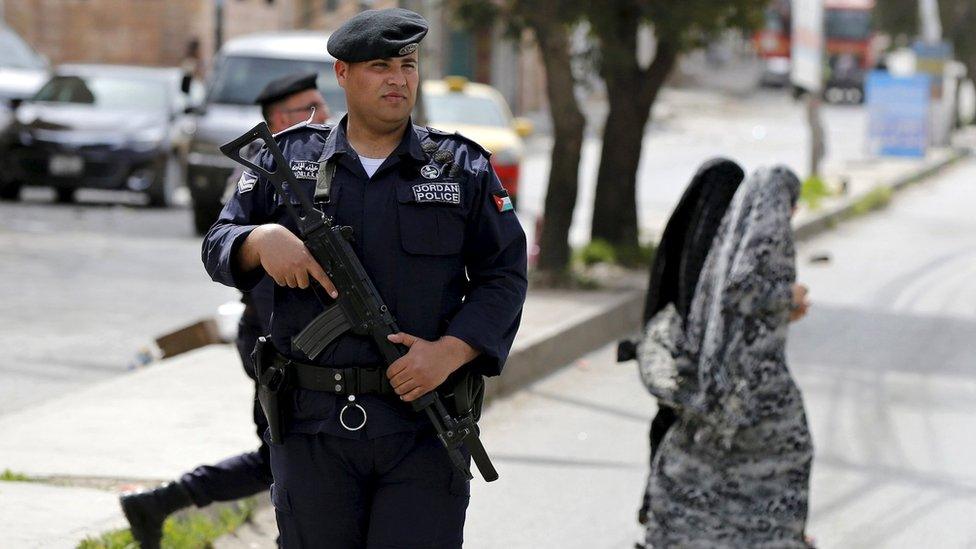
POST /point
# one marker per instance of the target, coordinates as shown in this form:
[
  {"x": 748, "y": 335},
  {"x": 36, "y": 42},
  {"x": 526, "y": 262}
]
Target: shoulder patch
[
  {"x": 246, "y": 182},
  {"x": 503, "y": 203}
]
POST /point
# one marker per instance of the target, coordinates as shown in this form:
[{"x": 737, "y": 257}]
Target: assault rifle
[{"x": 360, "y": 309}]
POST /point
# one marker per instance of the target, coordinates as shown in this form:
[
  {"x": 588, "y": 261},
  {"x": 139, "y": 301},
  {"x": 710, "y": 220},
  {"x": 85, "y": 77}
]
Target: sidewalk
[
  {"x": 156, "y": 423},
  {"x": 153, "y": 424}
]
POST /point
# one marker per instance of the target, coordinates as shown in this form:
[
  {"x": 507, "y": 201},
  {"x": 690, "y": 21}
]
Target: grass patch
[
  {"x": 639, "y": 256},
  {"x": 597, "y": 251},
  {"x": 601, "y": 251},
  {"x": 814, "y": 190},
  {"x": 192, "y": 530},
  {"x": 877, "y": 199},
  {"x": 10, "y": 476}
]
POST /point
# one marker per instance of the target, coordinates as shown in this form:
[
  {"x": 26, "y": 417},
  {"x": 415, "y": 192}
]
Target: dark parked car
[{"x": 97, "y": 126}]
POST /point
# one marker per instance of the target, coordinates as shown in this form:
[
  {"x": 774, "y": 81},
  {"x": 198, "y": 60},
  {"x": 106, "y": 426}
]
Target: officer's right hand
[{"x": 286, "y": 259}]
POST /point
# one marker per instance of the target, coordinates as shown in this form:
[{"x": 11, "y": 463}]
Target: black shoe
[{"x": 147, "y": 510}]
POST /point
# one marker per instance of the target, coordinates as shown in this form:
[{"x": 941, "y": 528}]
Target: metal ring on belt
[{"x": 342, "y": 414}]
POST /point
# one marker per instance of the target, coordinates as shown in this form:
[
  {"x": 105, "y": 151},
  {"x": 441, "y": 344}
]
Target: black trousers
[
  {"x": 242, "y": 475},
  {"x": 396, "y": 491},
  {"x": 665, "y": 418}
]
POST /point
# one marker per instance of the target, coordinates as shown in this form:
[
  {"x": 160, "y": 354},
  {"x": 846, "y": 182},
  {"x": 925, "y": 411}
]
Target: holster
[
  {"x": 465, "y": 393},
  {"x": 274, "y": 385}
]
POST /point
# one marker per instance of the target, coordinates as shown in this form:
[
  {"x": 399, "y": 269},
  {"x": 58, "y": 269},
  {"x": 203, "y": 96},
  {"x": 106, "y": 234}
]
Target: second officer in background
[{"x": 284, "y": 102}]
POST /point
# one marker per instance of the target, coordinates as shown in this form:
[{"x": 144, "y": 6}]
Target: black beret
[
  {"x": 378, "y": 34},
  {"x": 279, "y": 89}
]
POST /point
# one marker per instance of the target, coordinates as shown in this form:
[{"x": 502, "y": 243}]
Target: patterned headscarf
[
  {"x": 688, "y": 236},
  {"x": 741, "y": 307}
]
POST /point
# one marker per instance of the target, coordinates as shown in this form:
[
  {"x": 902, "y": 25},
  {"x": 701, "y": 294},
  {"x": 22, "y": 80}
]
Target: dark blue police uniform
[{"x": 436, "y": 234}]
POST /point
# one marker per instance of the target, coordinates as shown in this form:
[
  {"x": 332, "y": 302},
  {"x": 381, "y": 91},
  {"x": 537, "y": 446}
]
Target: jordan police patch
[
  {"x": 305, "y": 169},
  {"x": 438, "y": 193}
]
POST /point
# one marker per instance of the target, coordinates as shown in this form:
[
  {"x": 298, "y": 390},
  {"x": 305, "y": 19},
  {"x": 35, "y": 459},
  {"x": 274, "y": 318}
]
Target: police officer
[
  {"x": 284, "y": 102},
  {"x": 436, "y": 233}
]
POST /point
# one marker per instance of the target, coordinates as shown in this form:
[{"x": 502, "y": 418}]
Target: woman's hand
[{"x": 800, "y": 302}]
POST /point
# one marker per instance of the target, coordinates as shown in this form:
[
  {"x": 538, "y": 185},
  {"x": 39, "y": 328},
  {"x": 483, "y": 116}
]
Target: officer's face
[
  {"x": 381, "y": 89},
  {"x": 297, "y": 108}
]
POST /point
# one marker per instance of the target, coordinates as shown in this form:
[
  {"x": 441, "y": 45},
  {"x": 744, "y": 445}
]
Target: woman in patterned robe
[
  {"x": 734, "y": 471},
  {"x": 678, "y": 262}
]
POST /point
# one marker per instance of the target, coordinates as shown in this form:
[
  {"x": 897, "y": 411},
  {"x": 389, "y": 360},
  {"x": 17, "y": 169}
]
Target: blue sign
[{"x": 898, "y": 113}]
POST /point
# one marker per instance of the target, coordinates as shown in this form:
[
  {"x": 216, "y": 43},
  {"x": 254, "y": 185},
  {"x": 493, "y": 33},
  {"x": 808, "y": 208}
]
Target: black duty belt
[{"x": 339, "y": 381}]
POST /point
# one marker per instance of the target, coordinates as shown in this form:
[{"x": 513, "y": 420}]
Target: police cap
[
  {"x": 378, "y": 34},
  {"x": 281, "y": 88}
]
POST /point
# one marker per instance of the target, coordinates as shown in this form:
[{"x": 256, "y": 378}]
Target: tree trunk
[
  {"x": 631, "y": 92},
  {"x": 970, "y": 75},
  {"x": 568, "y": 123},
  {"x": 818, "y": 138}
]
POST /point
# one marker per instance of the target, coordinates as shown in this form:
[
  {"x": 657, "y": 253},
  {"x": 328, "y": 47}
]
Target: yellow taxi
[{"x": 479, "y": 112}]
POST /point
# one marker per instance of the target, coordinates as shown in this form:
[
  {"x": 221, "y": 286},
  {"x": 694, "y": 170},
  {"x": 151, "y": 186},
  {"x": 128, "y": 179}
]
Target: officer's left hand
[{"x": 426, "y": 364}]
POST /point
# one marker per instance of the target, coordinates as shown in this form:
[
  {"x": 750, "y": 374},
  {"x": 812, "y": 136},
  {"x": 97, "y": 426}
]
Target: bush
[
  {"x": 11, "y": 476},
  {"x": 597, "y": 251},
  {"x": 640, "y": 256},
  {"x": 601, "y": 251},
  {"x": 877, "y": 199},
  {"x": 813, "y": 191}
]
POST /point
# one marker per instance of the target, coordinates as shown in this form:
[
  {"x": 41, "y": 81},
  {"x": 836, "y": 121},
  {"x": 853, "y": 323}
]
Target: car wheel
[
  {"x": 9, "y": 191},
  {"x": 163, "y": 188},
  {"x": 65, "y": 195}
]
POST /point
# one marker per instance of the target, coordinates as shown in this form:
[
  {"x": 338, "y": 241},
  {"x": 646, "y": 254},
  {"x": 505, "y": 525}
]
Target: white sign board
[{"x": 808, "y": 44}]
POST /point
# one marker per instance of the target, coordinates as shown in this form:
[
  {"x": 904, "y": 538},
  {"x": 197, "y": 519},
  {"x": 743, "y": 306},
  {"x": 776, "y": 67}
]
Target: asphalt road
[
  {"x": 887, "y": 363},
  {"x": 87, "y": 285},
  {"x": 90, "y": 284}
]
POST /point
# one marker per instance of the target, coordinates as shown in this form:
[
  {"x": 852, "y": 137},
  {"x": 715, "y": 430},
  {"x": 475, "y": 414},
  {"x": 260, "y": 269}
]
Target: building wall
[
  {"x": 141, "y": 32},
  {"x": 156, "y": 33}
]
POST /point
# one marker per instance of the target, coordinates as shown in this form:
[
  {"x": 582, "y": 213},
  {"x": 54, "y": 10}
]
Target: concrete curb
[
  {"x": 832, "y": 216},
  {"x": 539, "y": 356}
]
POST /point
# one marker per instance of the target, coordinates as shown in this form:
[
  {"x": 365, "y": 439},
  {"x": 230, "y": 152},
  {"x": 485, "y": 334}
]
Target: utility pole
[
  {"x": 928, "y": 14},
  {"x": 218, "y": 25},
  {"x": 807, "y": 72}
]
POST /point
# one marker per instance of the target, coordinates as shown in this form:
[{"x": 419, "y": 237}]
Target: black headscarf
[{"x": 688, "y": 236}]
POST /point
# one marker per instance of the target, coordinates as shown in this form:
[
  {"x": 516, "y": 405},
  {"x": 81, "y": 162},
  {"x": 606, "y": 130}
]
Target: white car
[
  {"x": 22, "y": 70},
  {"x": 242, "y": 68}
]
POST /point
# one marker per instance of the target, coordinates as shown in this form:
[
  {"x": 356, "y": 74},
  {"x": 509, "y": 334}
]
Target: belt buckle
[{"x": 342, "y": 414}]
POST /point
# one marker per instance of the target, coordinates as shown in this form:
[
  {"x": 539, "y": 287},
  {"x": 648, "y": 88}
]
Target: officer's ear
[{"x": 341, "y": 71}]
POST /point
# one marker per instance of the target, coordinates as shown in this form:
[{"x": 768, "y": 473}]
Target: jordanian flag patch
[{"x": 502, "y": 201}]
